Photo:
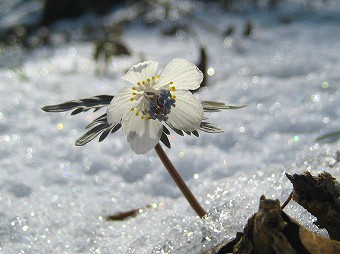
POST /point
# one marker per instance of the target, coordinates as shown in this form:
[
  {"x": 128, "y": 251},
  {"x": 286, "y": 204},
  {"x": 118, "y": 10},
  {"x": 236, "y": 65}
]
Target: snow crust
[{"x": 54, "y": 196}]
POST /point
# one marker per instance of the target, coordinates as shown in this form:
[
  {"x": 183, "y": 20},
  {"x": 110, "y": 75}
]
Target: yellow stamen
[
  {"x": 143, "y": 82},
  {"x": 153, "y": 77},
  {"x": 138, "y": 83},
  {"x": 131, "y": 99},
  {"x": 173, "y": 88},
  {"x": 142, "y": 117},
  {"x": 134, "y": 93},
  {"x": 132, "y": 109},
  {"x": 174, "y": 97},
  {"x": 134, "y": 88},
  {"x": 137, "y": 113},
  {"x": 171, "y": 83},
  {"x": 158, "y": 76},
  {"x": 148, "y": 80}
]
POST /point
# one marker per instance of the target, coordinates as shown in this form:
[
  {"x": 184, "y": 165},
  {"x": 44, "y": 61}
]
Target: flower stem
[{"x": 179, "y": 181}]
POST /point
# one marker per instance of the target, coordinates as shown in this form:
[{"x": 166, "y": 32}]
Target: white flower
[{"x": 153, "y": 98}]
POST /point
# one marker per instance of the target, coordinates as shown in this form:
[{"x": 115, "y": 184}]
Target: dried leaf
[
  {"x": 317, "y": 244},
  {"x": 321, "y": 197},
  {"x": 130, "y": 213},
  {"x": 271, "y": 231}
]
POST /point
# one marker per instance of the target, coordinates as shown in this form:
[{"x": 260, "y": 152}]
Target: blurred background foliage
[{"x": 28, "y": 22}]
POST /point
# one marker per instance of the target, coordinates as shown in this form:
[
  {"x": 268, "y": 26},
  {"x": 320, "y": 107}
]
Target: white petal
[
  {"x": 187, "y": 114},
  {"x": 119, "y": 105},
  {"x": 141, "y": 72},
  {"x": 184, "y": 75},
  {"x": 143, "y": 135}
]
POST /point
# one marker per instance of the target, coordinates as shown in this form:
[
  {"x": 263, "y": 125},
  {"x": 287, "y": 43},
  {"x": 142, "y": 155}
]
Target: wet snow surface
[{"x": 54, "y": 196}]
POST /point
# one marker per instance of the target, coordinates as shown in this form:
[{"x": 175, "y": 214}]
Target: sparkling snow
[{"x": 54, "y": 196}]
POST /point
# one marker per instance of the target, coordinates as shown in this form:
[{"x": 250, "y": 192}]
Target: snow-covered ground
[{"x": 54, "y": 196}]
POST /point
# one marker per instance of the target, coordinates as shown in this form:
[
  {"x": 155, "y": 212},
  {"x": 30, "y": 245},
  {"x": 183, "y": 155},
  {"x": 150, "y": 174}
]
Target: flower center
[
  {"x": 160, "y": 105},
  {"x": 152, "y": 103}
]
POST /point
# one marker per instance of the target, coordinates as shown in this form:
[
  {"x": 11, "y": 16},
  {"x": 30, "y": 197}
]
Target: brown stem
[{"x": 179, "y": 181}]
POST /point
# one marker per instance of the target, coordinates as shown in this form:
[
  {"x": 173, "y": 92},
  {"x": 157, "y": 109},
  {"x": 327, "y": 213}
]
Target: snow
[{"x": 54, "y": 196}]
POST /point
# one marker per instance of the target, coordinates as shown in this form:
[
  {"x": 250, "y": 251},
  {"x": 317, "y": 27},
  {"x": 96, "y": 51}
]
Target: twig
[{"x": 287, "y": 201}]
